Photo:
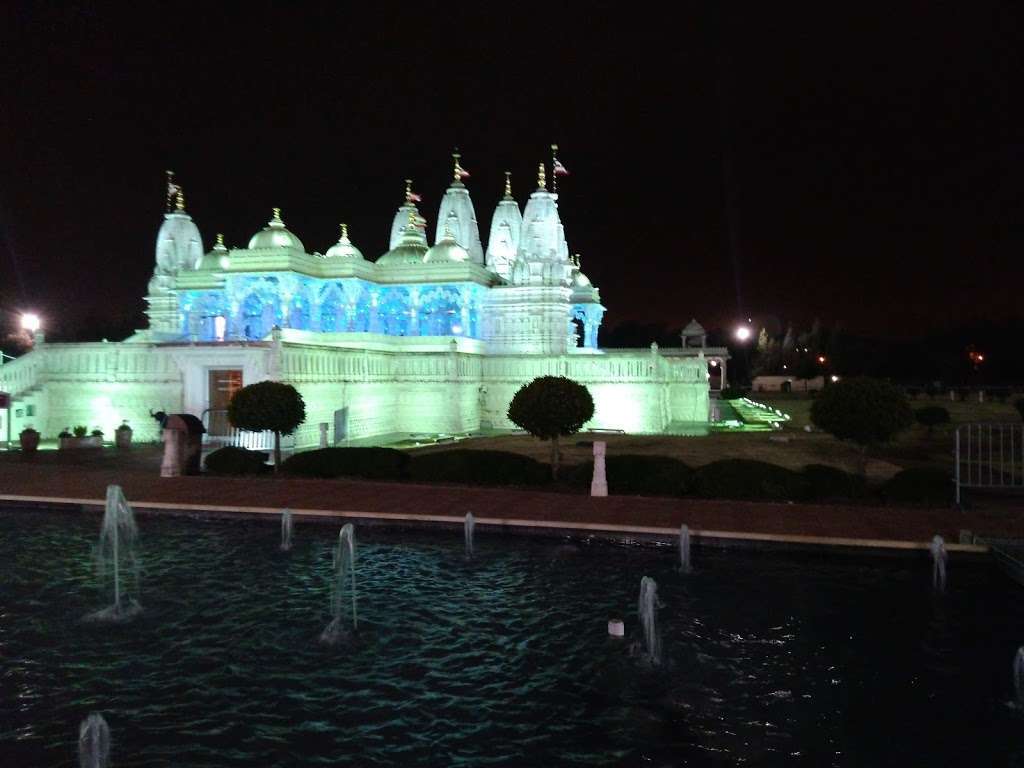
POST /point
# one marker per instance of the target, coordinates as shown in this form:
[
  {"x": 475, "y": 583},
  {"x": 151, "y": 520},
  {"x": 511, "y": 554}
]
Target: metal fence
[{"x": 989, "y": 456}]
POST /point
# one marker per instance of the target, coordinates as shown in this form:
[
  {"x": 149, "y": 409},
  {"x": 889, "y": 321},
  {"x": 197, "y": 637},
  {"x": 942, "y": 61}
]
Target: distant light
[
  {"x": 834, "y": 378},
  {"x": 30, "y": 322},
  {"x": 743, "y": 333},
  {"x": 821, "y": 359},
  {"x": 713, "y": 363},
  {"x": 456, "y": 328}
]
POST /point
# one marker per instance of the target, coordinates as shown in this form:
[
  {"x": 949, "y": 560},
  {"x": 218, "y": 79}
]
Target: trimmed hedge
[
  {"x": 825, "y": 482},
  {"x": 748, "y": 479},
  {"x": 637, "y": 475},
  {"x": 236, "y": 461},
  {"x": 371, "y": 463},
  {"x": 478, "y": 468},
  {"x": 922, "y": 485}
]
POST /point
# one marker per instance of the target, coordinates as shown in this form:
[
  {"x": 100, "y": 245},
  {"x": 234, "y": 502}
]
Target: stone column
[{"x": 599, "y": 484}]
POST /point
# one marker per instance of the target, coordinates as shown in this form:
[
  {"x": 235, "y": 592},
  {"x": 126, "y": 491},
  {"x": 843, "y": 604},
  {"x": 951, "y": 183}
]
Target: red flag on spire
[
  {"x": 414, "y": 198},
  {"x": 559, "y": 169}
]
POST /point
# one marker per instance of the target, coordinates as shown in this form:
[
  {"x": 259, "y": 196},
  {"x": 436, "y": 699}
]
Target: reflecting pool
[{"x": 501, "y": 659}]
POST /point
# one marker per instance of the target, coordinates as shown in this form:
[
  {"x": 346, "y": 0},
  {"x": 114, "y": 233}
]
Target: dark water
[{"x": 500, "y": 661}]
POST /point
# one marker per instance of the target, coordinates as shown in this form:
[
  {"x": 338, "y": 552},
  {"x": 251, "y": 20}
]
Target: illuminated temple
[{"x": 426, "y": 339}]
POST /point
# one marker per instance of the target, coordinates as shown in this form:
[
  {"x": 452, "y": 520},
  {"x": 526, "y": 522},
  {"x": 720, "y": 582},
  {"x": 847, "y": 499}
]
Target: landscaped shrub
[
  {"x": 637, "y": 475},
  {"x": 923, "y": 485},
  {"x": 550, "y": 407},
  {"x": 478, "y": 468},
  {"x": 236, "y": 461},
  {"x": 931, "y": 416},
  {"x": 748, "y": 479},
  {"x": 824, "y": 482},
  {"x": 372, "y": 463}
]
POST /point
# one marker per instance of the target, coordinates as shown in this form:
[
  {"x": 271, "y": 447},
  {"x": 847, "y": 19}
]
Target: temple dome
[
  {"x": 217, "y": 259},
  {"x": 343, "y": 249},
  {"x": 580, "y": 280},
  {"x": 178, "y": 244},
  {"x": 446, "y": 251},
  {"x": 275, "y": 235},
  {"x": 411, "y": 248}
]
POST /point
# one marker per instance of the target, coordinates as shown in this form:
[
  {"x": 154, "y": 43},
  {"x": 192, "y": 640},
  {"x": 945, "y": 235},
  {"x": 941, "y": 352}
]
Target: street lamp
[
  {"x": 30, "y": 322},
  {"x": 743, "y": 333}
]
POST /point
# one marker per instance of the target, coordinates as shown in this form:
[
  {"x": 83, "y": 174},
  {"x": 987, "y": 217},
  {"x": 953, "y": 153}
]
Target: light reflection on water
[{"x": 498, "y": 660}]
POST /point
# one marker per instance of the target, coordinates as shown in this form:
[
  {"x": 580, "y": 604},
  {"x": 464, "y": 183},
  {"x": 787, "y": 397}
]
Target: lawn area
[{"x": 791, "y": 447}]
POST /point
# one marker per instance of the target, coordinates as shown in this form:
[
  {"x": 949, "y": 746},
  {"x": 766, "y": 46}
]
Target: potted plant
[
  {"x": 123, "y": 436},
  {"x": 79, "y": 437},
  {"x": 29, "y": 440}
]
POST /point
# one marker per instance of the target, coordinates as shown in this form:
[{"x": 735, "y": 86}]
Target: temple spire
[
  {"x": 508, "y": 185},
  {"x": 179, "y": 203},
  {"x": 542, "y": 184},
  {"x": 344, "y": 231}
]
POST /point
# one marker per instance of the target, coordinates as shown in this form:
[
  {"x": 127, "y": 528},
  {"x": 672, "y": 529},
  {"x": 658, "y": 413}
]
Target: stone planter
[
  {"x": 29, "y": 441},
  {"x": 123, "y": 439},
  {"x": 74, "y": 443}
]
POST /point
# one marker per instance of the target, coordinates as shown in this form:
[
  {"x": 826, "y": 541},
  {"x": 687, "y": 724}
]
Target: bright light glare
[
  {"x": 30, "y": 322},
  {"x": 835, "y": 379},
  {"x": 743, "y": 333}
]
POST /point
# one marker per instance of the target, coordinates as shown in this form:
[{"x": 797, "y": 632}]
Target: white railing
[
  {"x": 989, "y": 456},
  {"x": 219, "y": 432}
]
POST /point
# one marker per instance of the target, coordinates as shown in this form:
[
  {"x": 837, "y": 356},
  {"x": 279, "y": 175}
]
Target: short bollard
[{"x": 599, "y": 485}]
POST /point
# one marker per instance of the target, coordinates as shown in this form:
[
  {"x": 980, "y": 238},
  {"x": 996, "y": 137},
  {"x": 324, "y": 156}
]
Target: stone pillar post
[{"x": 599, "y": 484}]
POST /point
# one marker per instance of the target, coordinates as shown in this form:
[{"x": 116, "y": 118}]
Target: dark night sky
[{"x": 861, "y": 165}]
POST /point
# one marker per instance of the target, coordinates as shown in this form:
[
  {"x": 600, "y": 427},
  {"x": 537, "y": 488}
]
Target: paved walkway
[{"x": 46, "y": 478}]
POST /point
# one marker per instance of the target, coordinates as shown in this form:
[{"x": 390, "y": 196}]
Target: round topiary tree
[
  {"x": 550, "y": 407},
  {"x": 862, "y": 410},
  {"x": 931, "y": 416},
  {"x": 268, "y": 405}
]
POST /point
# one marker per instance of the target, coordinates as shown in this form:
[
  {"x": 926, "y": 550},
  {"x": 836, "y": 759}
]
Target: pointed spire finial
[
  {"x": 172, "y": 190},
  {"x": 276, "y": 218},
  {"x": 554, "y": 168},
  {"x": 458, "y": 168},
  {"x": 344, "y": 231},
  {"x": 508, "y": 185},
  {"x": 220, "y": 242},
  {"x": 179, "y": 203},
  {"x": 541, "y": 177}
]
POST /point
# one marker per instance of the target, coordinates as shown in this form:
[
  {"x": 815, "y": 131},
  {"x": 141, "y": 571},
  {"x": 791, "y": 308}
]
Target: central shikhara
[{"x": 426, "y": 339}]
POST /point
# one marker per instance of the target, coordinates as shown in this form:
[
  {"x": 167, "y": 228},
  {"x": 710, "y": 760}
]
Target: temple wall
[{"x": 377, "y": 392}]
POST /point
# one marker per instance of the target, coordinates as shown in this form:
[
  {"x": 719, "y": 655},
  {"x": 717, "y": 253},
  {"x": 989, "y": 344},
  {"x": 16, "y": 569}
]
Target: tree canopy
[
  {"x": 550, "y": 407},
  {"x": 863, "y": 410},
  {"x": 268, "y": 405}
]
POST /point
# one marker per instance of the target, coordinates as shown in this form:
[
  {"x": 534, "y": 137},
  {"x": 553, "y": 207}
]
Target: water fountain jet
[
  {"x": 938, "y": 551},
  {"x": 344, "y": 570},
  {"x": 468, "y": 527},
  {"x": 116, "y": 552},
  {"x": 93, "y": 742},
  {"x": 1018, "y": 679},
  {"x": 286, "y": 530},
  {"x": 684, "y": 549},
  {"x": 647, "y": 607}
]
